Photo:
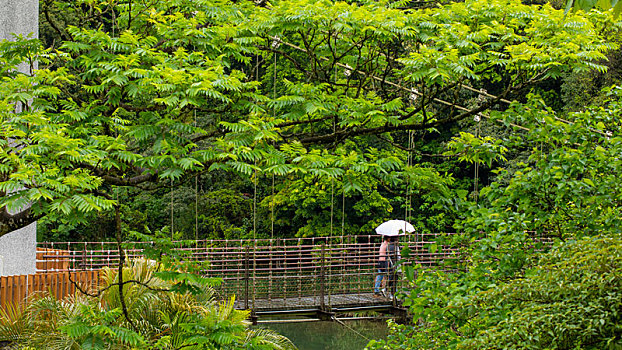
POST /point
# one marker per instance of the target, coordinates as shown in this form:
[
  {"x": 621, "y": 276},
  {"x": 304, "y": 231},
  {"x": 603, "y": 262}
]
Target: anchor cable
[{"x": 348, "y": 327}]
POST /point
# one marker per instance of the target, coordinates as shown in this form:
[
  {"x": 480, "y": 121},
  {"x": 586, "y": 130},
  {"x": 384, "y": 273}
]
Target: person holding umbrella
[
  {"x": 383, "y": 265},
  {"x": 388, "y": 254}
]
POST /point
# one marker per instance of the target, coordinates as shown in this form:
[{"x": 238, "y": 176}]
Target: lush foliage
[
  {"x": 150, "y": 97},
  {"x": 568, "y": 298},
  {"x": 511, "y": 296},
  {"x": 160, "y": 319},
  {"x": 586, "y": 5}
]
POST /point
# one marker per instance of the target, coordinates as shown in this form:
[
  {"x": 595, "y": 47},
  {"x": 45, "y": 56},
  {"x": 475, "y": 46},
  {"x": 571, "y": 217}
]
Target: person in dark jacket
[{"x": 387, "y": 257}]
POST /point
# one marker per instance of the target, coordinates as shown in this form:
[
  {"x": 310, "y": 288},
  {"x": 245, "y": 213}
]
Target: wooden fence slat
[
  {"x": 85, "y": 278},
  {"x": 3, "y": 291},
  {"x": 35, "y": 283},
  {"x": 60, "y": 285},
  {"x": 46, "y": 283},
  {"x": 14, "y": 294},
  {"x": 66, "y": 284},
  {"x": 29, "y": 284},
  {"x": 12, "y": 286},
  {"x": 63, "y": 285},
  {"x": 6, "y": 287},
  {"x": 72, "y": 287},
  {"x": 8, "y": 290},
  {"x": 54, "y": 284},
  {"x": 23, "y": 289}
]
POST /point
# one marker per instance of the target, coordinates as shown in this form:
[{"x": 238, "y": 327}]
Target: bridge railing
[{"x": 267, "y": 271}]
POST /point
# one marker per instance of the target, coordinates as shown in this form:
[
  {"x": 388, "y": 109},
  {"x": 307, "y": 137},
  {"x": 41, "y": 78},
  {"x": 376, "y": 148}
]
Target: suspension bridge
[{"x": 317, "y": 277}]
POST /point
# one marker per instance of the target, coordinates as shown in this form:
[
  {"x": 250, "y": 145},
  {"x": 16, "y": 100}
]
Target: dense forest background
[{"x": 225, "y": 204}]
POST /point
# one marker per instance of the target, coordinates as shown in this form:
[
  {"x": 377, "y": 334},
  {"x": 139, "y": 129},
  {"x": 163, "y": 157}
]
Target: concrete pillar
[
  {"x": 18, "y": 248},
  {"x": 20, "y": 17},
  {"x": 18, "y": 251}
]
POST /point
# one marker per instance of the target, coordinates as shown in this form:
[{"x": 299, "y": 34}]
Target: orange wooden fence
[{"x": 15, "y": 289}]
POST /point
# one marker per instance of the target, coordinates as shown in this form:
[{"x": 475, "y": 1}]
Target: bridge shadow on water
[{"x": 326, "y": 335}]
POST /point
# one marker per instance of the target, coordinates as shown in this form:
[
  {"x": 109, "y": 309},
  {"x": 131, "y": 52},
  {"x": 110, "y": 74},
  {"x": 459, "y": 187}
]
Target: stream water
[{"x": 331, "y": 335}]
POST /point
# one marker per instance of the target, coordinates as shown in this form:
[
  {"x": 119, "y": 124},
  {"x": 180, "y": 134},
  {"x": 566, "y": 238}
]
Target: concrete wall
[
  {"x": 18, "y": 251},
  {"x": 19, "y": 16},
  {"x": 18, "y": 248}
]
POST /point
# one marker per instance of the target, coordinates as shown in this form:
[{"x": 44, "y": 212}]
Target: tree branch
[{"x": 12, "y": 222}]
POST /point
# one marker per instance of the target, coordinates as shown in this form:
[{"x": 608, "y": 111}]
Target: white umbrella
[{"x": 394, "y": 228}]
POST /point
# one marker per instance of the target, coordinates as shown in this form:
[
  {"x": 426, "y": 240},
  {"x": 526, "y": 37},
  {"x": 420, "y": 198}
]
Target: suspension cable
[
  {"x": 172, "y": 220},
  {"x": 478, "y": 133},
  {"x": 196, "y": 198},
  {"x": 275, "y": 45},
  {"x": 350, "y": 328}
]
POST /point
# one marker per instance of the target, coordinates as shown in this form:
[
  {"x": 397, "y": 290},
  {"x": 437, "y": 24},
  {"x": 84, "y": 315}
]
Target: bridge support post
[
  {"x": 253, "y": 317},
  {"x": 246, "y": 275},
  {"x": 401, "y": 315},
  {"x": 324, "y": 315},
  {"x": 322, "y": 273}
]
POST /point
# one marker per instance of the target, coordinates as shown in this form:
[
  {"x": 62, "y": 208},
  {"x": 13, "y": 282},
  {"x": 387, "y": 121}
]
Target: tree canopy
[{"x": 140, "y": 96}]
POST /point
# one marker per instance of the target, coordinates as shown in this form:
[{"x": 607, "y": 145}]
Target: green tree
[
  {"x": 568, "y": 298},
  {"x": 587, "y": 5},
  {"x": 116, "y": 104},
  {"x": 567, "y": 192}
]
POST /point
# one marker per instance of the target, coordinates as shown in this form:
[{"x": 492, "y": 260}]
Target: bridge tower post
[
  {"x": 322, "y": 274},
  {"x": 246, "y": 277},
  {"x": 324, "y": 313}
]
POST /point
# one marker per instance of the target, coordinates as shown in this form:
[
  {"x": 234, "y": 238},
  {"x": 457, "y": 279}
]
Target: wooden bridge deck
[{"x": 336, "y": 301}]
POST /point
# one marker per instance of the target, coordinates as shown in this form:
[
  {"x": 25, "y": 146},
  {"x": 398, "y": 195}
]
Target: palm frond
[
  {"x": 269, "y": 338},
  {"x": 14, "y": 325}
]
